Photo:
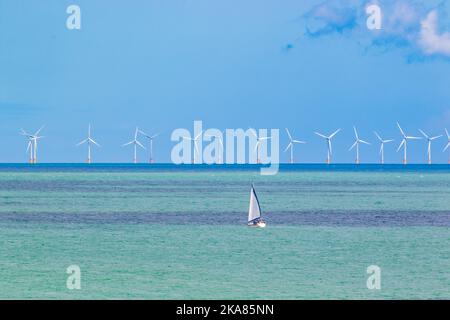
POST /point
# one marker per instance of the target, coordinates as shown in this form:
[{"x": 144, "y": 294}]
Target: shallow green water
[
  {"x": 176, "y": 235},
  {"x": 159, "y": 262}
]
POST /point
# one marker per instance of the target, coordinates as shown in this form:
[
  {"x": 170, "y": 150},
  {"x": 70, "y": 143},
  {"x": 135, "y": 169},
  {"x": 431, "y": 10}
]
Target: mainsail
[{"x": 254, "y": 211}]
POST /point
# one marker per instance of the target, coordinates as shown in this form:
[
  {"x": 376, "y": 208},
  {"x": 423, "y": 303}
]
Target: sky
[{"x": 305, "y": 65}]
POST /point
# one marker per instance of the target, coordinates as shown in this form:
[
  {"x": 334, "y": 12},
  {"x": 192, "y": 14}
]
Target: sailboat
[{"x": 254, "y": 211}]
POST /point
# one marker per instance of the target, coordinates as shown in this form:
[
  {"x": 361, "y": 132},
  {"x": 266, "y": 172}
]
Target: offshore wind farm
[{"x": 217, "y": 140}]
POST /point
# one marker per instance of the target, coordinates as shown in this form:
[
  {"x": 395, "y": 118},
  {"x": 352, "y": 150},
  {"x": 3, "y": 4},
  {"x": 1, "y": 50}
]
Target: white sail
[{"x": 254, "y": 210}]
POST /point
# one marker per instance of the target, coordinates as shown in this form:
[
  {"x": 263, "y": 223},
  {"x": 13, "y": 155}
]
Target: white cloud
[
  {"x": 430, "y": 40},
  {"x": 407, "y": 25}
]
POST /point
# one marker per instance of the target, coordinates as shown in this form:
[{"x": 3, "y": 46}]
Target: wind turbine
[
  {"x": 195, "y": 140},
  {"x": 136, "y": 143},
  {"x": 328, "y": 140},
  {"x": 356, "y": 144},
  {"x": 382, "y": 142},
  {"x": 150, "y": 138},
  {"x": 429, "y": 139},
  {"x": 259, "y": 140},
  {"x": 404, "y": 143},
  {"x": 89, "y": 141},
  {"x": 219, "y": 138},
  {"x": 448, "y": 144},
  {"x": 291, "y": 144},
  {"x": 32, "y": 143}
]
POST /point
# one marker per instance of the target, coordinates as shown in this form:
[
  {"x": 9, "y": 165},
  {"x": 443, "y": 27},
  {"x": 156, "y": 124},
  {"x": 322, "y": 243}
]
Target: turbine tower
[
  {"x": 135, "y": 143},
  {"x": 150, "y": 138},
  {"x": 32, "y": 143},
  {"x": 356, "y": 144},
  {"x": 382, "y": 142},
  {"x": 259, "y": 140},
  {"x": 195, "y": 140},
  {"x": 448, "y": 144},
  {"x": 328, "y": 140},
  {"x": 429, "y": 140},
  {"x": 89, "y": 141},
  {"x": 404, "y": 143},
  {"x": 291, "y": 145}
]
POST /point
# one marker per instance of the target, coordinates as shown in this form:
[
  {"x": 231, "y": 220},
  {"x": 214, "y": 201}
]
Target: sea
[{"x": 164, "y": 231}]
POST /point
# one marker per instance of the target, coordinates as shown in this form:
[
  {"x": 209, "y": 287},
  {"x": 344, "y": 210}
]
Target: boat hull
[{"x": 259, "y": 224}]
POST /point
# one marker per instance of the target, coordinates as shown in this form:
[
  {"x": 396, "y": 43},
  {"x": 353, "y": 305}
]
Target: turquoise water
[{"x": 167, "y": 232}]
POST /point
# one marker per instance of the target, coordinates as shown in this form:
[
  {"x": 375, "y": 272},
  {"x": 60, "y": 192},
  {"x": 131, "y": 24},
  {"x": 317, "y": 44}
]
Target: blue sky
[{"x": 306, "y": 65}]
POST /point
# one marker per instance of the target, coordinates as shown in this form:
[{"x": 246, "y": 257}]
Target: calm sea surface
[{"x": 175, "y": 232}]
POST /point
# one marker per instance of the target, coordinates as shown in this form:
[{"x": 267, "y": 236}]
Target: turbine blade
[
  {"x": 335, "y": 133},
  {"x": 423, "y": 133},
  {"x": 37, "y": 132},
  {"x": 289, "y": 134},
  {"x": 353, "y": 145},
  {"x": 448, "y": 135},
  {"x": 446, "y": 147},
  {"x": 378, "y": 136},
  {"x": 356, "y": 133},
  {"x": 128, "y": 143},
  {"x": 196, "y": 147},
  {"x": 365, "y": 142},
  {"x": 401, "y": 145},
  {"x": 199, "y": 135},
  {"x": 401, "y": 130},
  {"x": 253, "y": 131},
  {"x": 321, "y": 135},
  {"x": 144, "y": 134},
  {"x": 94, "y": 142},
  {"x": 298, "y": 141},
  {"x": 81, "y": 142},
  {"x": 289, "y": 146},
  {"x": 139, "y": 144},
  {"x": 435, "y": 137}
]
